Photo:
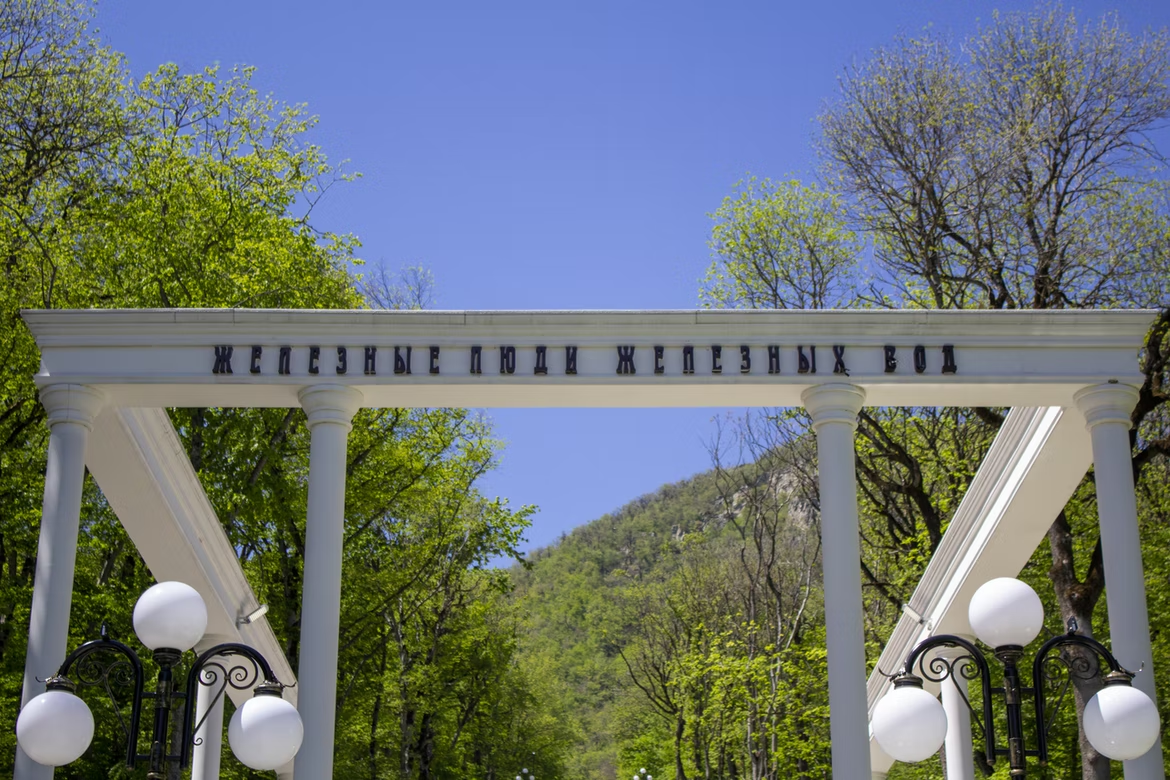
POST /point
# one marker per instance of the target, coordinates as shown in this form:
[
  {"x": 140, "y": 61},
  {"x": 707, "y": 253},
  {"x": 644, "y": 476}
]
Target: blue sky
[{"x": 553, "y": 155}]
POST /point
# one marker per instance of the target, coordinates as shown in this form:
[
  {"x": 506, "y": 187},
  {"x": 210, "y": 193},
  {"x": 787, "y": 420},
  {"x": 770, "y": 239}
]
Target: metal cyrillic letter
[
  {"x": 891, "y": 361},
  {"x": 434, "y": 360},
  {"x": 716, "y": 356},
  {"x": 314, "y": 358},
  {"x": 402, "y": 365},
  {"x": 541, "y": 368},
  {"x": 806, "y": 364},
  {"x": 920, "y": 359},
  {"x": 223, "y": 360},
  {"x": 507, "y": 360},
  {"x": 371, "y": 364},
  {"x": 839, "y": 360},
  {"x": 284, "y": 364},
  {"x": 688, "y": 360},
  {"x": 745, "y": 359},
  {"x": 626, "y": 360},
  {"x": 773, "y": 359},
  {"x": 570, "y": 360},
  {"x": 254, "y": 366},
  {"x": 949, "y": 365},
  {"x": 658, "y": 353},
  {"x": 342, "y": 360},
  {"x": 476, "y": 365}
]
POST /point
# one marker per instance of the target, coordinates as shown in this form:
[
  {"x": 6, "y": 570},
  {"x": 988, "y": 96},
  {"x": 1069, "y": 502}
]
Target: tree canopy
[{"x": 192, "y": 189}]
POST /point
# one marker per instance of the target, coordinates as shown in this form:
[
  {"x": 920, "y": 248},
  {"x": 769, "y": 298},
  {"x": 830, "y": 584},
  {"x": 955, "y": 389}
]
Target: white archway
[{"x": 1070, "y": 376}]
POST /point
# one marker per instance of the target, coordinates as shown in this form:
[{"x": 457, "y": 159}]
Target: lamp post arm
[
  {"x": 1038, "y": 677},
  {"x": 237, "y": 675},
  {"x": 940, "y": 668},
  {"x": 100, "y": 675}
]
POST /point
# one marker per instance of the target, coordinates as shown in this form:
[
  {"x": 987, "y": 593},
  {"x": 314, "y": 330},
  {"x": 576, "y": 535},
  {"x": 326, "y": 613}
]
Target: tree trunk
[
  {"x": 426, "y": 748},
  {"x": 374, "y": 716},
  {"x": 679, "y": 729},
  {"x": 1077, "y": 600}
]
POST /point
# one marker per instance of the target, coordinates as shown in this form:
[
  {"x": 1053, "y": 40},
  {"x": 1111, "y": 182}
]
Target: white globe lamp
[
  {"x": 170, "y": 616},
  {"x": 1121, "y": 721},
  {"x": 56, "y": 727},
  {"x": 266, "y": 731},
  {"x": 1004, "y": 612},
  {"x": 909, "y": 723}
]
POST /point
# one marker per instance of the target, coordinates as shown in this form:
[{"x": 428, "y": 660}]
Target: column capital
[
  {"x": 72, "y": 403},
  {"x": 1108, "y": 403},
  {"x": 336, "y": 404},
  {"x": 835, "y": 402}
]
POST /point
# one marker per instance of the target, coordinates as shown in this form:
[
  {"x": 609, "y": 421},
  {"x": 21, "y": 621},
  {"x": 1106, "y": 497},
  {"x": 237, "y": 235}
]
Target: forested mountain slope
[
  {"x": 572, "y": 594},
  {"x": 676, "y": 626}
]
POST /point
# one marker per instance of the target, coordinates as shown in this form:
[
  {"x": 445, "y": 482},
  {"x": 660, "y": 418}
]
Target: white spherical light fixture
[
  {"x": 54, "y": 728},
  {"x": 170, "y": 615},
  {"x": 1005, "y": 611},
  {"x": 1121, "y": 721},
  {"x": 266, "y": 731},
  {"x": 909, "y": 723}
]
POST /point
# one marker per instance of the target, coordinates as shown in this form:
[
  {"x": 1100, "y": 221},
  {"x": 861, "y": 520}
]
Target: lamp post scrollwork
[
  {"x": 1120, "y": 721},
  {"x": 265, "y": 732}
]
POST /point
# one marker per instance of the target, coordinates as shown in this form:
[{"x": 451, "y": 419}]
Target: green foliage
[
  {"x": 572, "y": 596},
  {"x": 1015, "y": 170},
  {"x": 193, "y": 190},
  {"x": 781, "y": 245},
  {"x": 682, "y": 644}
]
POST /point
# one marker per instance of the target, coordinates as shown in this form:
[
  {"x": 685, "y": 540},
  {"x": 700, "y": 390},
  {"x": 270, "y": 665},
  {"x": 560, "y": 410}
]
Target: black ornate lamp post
[
  {"x": 1120, "y": 721},
  {"x": 56, "y": 727}
]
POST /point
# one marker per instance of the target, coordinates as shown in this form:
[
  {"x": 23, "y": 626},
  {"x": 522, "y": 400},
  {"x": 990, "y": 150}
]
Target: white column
[
  {"x": 71, "y": 411},
  {"x": 330, "y": 410},
  {"x": 834, "y": 409},
  {"x": 960, "y": 761},
  {"x": 206, "y": 754},
  {"x": 1107, "y": 410}
]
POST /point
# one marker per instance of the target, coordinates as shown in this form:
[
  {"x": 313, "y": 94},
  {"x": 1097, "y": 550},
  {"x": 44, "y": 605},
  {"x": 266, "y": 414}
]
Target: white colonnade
[
  {"x": 330, "y": 410},
  {"x": 71, "y": 411},
  {"x": 834, "y": 409},
  {"x": 1107, "y": 409}
]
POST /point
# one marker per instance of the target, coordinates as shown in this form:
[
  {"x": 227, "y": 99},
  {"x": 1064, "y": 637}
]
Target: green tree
[
  {"x": 193, "y": 190},
  {"x": 781, "y": 245},
  {"x": 1013, "y": 171}
]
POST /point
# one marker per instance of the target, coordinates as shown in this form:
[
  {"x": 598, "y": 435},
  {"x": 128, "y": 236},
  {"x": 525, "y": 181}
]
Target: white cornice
[
  {"x": 1004, "y": 358},
  {"x": 188, "y": 326}
]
